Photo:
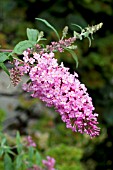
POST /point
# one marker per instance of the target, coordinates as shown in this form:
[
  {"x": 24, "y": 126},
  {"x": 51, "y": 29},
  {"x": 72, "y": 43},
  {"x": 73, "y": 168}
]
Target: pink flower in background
[
  {"x": 54, "y": 84},
  {"x": 30, "y": 142},
  {"x": 49, "y": 163}
]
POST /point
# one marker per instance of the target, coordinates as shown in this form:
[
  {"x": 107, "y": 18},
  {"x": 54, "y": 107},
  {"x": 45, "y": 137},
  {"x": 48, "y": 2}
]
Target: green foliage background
[{"x": 95, "y": 70}]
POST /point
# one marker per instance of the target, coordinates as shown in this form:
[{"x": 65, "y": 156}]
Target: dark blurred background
[{"x": 95, "y": 71}]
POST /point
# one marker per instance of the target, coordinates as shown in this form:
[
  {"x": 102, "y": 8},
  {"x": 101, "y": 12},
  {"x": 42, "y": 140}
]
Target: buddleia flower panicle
[{"x": 53, "y": 84}]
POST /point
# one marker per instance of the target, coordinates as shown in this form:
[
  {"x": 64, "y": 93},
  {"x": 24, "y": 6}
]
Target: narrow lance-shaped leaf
[
  {"x": 73, "y": 55},
  {"x": 32, "y": 34},
  {"x": 50, "y": 26},
  {"x": 8, "y": 165},
  {"x": 78, "y": 26},
  {"x": 18, "y": 141},
  {"x": 38, "y": 158},
  {"x": 3, "y": 141},
  {"x": 19, "y": 161},
  {"x": 1, "y": 151},
  {"x": 31, "y": 153},
  {"x": 2, "y": 65}
]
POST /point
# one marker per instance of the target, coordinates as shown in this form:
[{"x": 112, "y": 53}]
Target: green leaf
[
  {"x": 89, "y": 41},
  {"x": 30, "y": 156},
  {"x": 73, "y": 55},
  {"x": 8, "y": 165},
  {"x": 50, "y": 26},
  {"x": 31, "y": 153},
  {"x": 19, "y": 161},
  {"x": 43, "y": 39},
  {"x": 32, "y": 34},
  {"x": 18, "y": 141},
  {"x": 23, "y": 45},
  {"x": 2, "y": 65},
  {"x": 8, "y": 149},
  {"x": 3, "y": 140},
  {"x": 38, "y": 158},
  {"x": 3, "y": 57},
  {"x": 1, "y": 152},
  {"x": 10, "y": 55}
]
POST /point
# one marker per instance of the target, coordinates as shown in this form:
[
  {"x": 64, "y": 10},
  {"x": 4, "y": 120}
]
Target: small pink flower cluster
[
  {"x": 49, "y": 163},
  {"x": 54, "y": 84},
  {"x": 35, "y": 167},
  {"x": 59, "y": 46},
  {"x": 15, "y": 75},
  {"x": 30, "y": 142}
]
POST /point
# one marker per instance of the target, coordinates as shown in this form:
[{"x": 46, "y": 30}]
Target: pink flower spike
[
  {"x": 49, "y": 163},
  {"x": 53, "y": 84}
]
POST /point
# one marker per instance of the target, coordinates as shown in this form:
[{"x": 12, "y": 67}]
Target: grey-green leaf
[
  {"x": 38, "y": 158},
  {"x": 50, "y": 26},
  {"x": 19, "y": 144},
  {"x": 23, "y": 45},
  {"x": 8, "y": 165},
  {"x": 2, "y": 65},
  {"x": 32, "y": 34},
  {"x": 73, "y": 55},
  {"x": 1, "y": 152},
  {"x": 3, "y": 57},
  {"x": 31, "y": 153},
  {"x": 19, "y": 161}
]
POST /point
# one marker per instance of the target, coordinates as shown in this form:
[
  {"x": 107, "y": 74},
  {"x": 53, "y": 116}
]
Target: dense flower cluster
[
  {"x": 15, "y": 75},
  {"x": 54, "y": 84},
  {"x": 49, "y": 163}
]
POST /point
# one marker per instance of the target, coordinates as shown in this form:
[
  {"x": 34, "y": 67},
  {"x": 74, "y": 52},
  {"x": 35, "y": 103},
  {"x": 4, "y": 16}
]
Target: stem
[{"x": 4, "y": 50}]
